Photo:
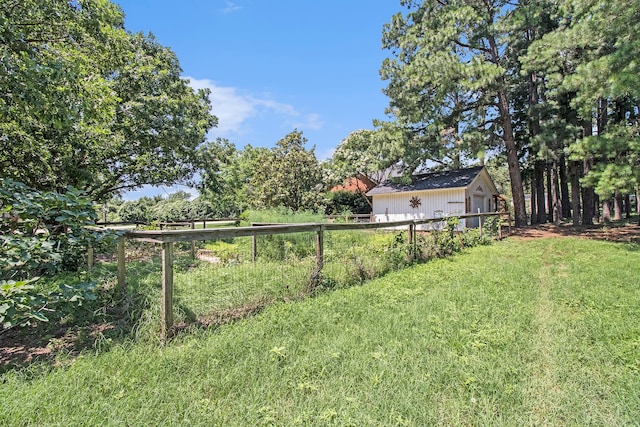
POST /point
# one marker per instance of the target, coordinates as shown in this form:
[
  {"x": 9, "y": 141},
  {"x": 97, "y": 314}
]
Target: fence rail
[{"x": 168, "y": 237}]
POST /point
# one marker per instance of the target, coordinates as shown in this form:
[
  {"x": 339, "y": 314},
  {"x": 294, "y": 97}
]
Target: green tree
[
  {"x": 289, "y": 176},
  {"x": 606, "y": 83},
  {"x": 340, "y": 202},
  {"x": 449, "y": 81},
  {"x": 138, "y": 210},
  {"x": 360, "y": 153},
  {"x": 200, "y": 208},
  {"x": 85, "y": 103},
  {"x": 227, "y": 176},
  {"x": 176, "y": 207},
  {"x": 590, "y": 59}
]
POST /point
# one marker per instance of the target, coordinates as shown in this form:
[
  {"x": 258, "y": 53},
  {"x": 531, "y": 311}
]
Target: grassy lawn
[{"x": 542, "y": 332}]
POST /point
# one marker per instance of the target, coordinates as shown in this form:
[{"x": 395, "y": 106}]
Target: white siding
[
  {"x": 479, "y": 194},
  {"x": 433, "y": 203}
]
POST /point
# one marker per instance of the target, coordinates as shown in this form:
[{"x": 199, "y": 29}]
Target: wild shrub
[
  {"x": 42, "y": 233},
  {"x": 396, "y": 255},
  {"x": 490, "y": 226},
  {"x": 442, "y": 243}
]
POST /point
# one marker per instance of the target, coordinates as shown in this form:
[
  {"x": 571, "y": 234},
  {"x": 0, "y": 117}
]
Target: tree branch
[{"x": 468, "y": 46}]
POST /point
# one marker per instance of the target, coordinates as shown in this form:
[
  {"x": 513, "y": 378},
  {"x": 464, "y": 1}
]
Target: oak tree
[{"x": 85, "y": 103}]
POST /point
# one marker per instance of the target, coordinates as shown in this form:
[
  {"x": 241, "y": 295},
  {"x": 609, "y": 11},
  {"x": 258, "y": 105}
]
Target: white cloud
[
  {"x": 235, "y": 109},
  {"x": 276, "y": 106},
  {"x": 326, "y": 154},
  {"x": 311, "y": 121},
  {"x": 230, "y": 107},
  {"x": 230, "y": 8}
]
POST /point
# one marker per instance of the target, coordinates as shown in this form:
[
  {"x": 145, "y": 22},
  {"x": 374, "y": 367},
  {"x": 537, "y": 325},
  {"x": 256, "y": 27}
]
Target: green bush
[
  {"x": 490, "y": 226},
  {"x": 446, "y": 242},
  {"x": 42, "y": 233},
  {"x": 347, "y": 201}
]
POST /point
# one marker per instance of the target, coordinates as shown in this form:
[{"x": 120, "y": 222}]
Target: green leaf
[{"x": 37, "y": 315}]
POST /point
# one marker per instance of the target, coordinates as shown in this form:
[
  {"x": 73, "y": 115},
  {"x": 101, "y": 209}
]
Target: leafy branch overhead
[{"x": 88, "y": 104}]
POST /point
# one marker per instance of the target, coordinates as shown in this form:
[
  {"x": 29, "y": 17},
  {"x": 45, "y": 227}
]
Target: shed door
[{"x": 477, "y": 202}]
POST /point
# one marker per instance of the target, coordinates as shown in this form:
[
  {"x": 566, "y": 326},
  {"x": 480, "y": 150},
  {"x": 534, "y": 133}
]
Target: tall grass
[
  {"x": 519, "y": 333},
  {"x": 282, "y": 216},
  {"x": 287, "y": 266}
]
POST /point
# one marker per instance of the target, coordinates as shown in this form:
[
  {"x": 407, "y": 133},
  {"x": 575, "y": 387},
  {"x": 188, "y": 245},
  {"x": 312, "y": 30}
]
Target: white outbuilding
[{"x": 436, "y": 195}]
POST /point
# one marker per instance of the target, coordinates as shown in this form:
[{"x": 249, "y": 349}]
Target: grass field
[{"x": 541, "y": 332}]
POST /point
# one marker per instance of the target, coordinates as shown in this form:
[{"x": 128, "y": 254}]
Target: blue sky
[{"x": 274, "y": 66}]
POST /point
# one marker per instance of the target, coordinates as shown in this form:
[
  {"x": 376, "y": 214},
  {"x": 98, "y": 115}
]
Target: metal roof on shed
[{"x": 430, "y": 181}]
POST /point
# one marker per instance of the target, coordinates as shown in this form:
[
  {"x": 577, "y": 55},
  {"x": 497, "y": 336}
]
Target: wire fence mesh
[
  {"x": 215, "y": 276},
  {"x": 229, "y": 277}
]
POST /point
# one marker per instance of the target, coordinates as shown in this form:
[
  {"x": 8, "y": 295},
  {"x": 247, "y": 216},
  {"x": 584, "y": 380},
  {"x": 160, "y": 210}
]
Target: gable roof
[
  {"x": 458, "y": 178},
  {"x": 359, "y": 183}
]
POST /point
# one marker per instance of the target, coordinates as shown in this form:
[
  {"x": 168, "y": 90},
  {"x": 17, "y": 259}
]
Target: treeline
[
  {"x": 87, "y": 104},
  {"x": 176, "y": 207},
  {"x": 549, "y": 88}
]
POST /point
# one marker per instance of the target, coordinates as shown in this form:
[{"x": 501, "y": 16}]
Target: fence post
[
  {"x": 480, "y": 222},
  {"x": 121, "y": 264},
  {"x": 254, "y": 248},
  {"x": 319, "y": 250},
  {"x": 412, "y": 241},
  {"x": 167, "y": 287},
  {"x": 193, "y": 242},
  {"x": 90, "y": 258}
]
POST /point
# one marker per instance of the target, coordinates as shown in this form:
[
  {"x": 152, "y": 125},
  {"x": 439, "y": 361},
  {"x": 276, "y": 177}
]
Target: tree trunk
[
  {"x": 588, "y": 195},
  {"x": 564, "y": 187},
  {"x": 627, "y": 206},
  {"x": 556, "y": 206},
  {"x": 537, "y": 178},
  {"x": 534, "y": 200},
  {"x": 638, "y": 203},
  {"x": 517, "y": 190},
  {"x": 617, "y": 206},
  {"x": 574, "y": 174},
  {"x": 549, "y": 194},
  {"x": 606, "y": 211},
  {"x": 538, "y": 171}
]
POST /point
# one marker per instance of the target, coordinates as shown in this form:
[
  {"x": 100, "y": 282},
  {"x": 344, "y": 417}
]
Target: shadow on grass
[
  {"x": 95, "y": 326},
  {"x": 626, "y": 232}
]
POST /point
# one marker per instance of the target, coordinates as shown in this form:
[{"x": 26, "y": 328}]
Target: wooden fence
[{"x": 167, "y": 238}]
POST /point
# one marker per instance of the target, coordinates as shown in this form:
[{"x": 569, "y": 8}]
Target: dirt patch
[
  {"x": 628, "y": 233},
  {"x": 20, "y": 347},
  {"x": 208, "y": 256}
]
